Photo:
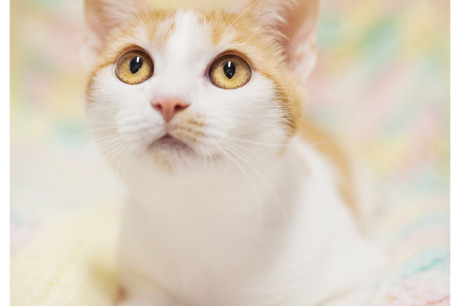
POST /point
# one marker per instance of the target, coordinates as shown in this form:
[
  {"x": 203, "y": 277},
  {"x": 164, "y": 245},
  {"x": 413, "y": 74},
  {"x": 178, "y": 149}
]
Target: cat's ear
[
  {"x": 101, "y": 17},
  {"x": 293, "y": 24}
]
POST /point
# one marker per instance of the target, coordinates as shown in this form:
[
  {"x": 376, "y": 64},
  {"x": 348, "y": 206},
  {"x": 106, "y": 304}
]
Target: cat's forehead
[
  {"x": 184, "y": 35},
  {"x": 181, "y": 32},
  {"x": 190, "y": 38}
]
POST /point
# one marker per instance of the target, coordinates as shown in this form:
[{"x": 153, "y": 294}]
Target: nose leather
[{"x": 168, "y": 108}]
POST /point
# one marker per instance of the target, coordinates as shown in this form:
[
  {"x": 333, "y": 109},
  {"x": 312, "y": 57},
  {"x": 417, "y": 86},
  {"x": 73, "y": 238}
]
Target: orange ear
[
  {"x": 103, "y": 16},
  {"x": 293, "y": 24}
]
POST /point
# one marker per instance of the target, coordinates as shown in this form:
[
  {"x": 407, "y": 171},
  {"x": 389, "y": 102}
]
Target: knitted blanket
[{"x": 381, "y": 84}]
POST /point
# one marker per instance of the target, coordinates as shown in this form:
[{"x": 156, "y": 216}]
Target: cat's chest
[
  {"x": 236, "y": 260},
  {"x": 193, "y": 239}
]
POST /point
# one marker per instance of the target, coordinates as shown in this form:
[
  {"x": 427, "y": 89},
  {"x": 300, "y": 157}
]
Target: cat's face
[{"x": 181, "y": 89}]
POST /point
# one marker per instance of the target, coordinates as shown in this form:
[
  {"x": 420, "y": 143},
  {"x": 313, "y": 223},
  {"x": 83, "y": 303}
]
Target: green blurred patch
[
  {"x": 381, "y": 42},
  {"x": 330, "y": 31}
]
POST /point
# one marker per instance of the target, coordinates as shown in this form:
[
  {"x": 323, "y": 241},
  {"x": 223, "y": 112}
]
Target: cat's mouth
[{"x": 170, "y": 143}]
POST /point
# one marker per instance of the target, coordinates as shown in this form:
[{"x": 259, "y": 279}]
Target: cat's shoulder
[{"x": 333, "y": 151}]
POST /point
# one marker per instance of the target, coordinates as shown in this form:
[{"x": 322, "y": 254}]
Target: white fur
[{"x": 240, "y": 221}]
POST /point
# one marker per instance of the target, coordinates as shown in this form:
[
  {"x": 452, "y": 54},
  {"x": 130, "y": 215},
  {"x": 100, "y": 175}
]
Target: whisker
[
  {"x": 261, "y": 178},
  {"x": 224, "y": 23},
  {"x": 100, "y": 107},
  {"x": 281, "y": 144},
  {"x": 242, "y": 13},
  {"x": 113, "y": 153},
  {"x": 122, "y": 162},
  {"x": 224, "y": 151},
  {"x": 255, "y": 156}
]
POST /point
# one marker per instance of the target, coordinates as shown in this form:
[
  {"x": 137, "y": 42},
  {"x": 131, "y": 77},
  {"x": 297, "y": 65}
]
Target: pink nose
[{"x": 168, "y": 108}]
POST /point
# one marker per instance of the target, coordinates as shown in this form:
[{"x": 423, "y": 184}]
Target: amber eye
[
  {"x": 134, "y": 67},
  {"x": 229, "y": 72}
]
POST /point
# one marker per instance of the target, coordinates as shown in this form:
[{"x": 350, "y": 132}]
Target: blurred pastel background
[{"x": 381, "y": 84}]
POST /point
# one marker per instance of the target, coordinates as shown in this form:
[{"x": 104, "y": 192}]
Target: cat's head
[{"x": 179, "y": 89}]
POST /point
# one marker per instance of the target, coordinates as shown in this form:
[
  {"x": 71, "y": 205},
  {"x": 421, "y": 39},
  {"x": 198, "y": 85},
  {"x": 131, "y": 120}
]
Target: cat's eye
[
  {"x": 134, "y": 67},
  {"x": 229, "y": 72}
]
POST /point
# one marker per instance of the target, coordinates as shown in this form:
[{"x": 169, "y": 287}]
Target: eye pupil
[
  {"x": 229, "y": 69},
  {"x": 136, "y": 64}
]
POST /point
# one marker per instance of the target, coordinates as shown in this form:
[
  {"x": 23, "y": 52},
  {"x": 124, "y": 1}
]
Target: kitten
[{"x": 235, "y": 197}]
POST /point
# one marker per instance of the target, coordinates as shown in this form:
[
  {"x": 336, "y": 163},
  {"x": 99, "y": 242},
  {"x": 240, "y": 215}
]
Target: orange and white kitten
[{"x": 229, "y": 205}]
